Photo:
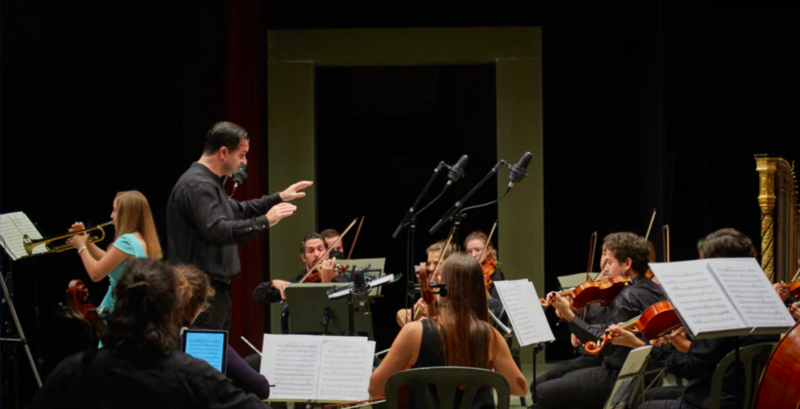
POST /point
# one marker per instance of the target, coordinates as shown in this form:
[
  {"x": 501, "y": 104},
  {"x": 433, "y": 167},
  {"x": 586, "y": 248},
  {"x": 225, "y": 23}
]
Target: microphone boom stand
[
  {"x": 455, "y": 214},
  {"x": 410, "y": 221}
]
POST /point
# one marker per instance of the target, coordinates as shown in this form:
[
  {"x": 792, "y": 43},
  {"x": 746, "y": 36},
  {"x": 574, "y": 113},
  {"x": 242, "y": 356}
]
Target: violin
[
  {"x": 656, "y": 321},
  {"x": 488, "y": 265},
  {"x": 488, "y": 269},
  {"x": 80, "y": 308},
  {"x": 778, "y": 387},
  {"x": 590, "y": 292},
  {"x": 431, "y": 298},
  {"x": 316, "y": 275}
]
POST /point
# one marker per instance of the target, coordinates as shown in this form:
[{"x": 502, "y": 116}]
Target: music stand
[
  {"x": 314, "y": 313},
  {"x": 355, "y": 294}
]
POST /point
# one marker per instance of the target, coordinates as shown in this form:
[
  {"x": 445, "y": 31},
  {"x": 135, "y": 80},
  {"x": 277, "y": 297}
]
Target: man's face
[
  {"x": 615, "y": 267},
  {"x": 231, "y": 161},
  {"x": 339, "y": 247},
  {"x": 315, "y": 249}
]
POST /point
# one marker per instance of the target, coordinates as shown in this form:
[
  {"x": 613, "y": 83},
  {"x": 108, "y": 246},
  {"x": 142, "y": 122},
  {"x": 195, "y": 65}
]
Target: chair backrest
[
  {"x": 446, "y": 380},
  {"x": 753, "y": 358}
]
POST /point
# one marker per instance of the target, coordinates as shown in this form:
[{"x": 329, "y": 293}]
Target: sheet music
[
  {"x": 346, "y": 369},
  {"x": 292, "y": 363},
  {"x": 209, "y": 347},
  {"x": 13, "y": 226},
  {"x": 697, "y": 296},
  {"x": 526, "y": 315},
  {"x": 753, "y": 295}
]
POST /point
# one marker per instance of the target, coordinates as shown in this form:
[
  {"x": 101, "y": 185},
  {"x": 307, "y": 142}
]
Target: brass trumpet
[{"x": 29, "y": 244}]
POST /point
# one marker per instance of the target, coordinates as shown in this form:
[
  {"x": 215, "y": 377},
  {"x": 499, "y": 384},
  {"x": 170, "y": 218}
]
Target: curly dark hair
[
  {"x": 627, "y": 245},
  {"x": 143, "y": 316},
  {"x": 726, "y": 243}
]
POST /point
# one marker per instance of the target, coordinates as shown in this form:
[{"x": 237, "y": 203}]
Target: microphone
[
  {"x": 457, "y": 172},
  {"x": 238, "y": 178},
  {"x": 520, "y": 170},
  {"x": 359, "y": 284}
]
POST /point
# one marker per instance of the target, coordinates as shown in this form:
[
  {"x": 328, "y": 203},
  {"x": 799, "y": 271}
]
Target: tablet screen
[{"x": 208, "y": 346}]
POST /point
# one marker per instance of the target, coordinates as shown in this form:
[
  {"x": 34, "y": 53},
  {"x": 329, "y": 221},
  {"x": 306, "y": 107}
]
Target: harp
[{"x": 777, "y": 197}]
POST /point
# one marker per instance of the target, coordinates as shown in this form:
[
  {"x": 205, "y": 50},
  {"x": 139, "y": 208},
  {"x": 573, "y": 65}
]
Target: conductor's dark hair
[{"x": 225, "y": 134}]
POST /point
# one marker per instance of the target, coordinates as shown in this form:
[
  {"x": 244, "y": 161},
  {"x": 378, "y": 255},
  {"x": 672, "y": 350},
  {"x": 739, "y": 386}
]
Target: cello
[
  {"x": 80, "y": 308},
  {"x": 778, "y": 386}
]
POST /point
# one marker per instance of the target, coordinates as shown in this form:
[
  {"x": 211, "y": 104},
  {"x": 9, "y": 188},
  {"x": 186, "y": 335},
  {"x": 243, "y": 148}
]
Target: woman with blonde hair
[
  {"x": 135, "y": 236},
  {"x": 474, "y": 245}
]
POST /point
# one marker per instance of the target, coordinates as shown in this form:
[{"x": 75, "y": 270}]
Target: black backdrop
[{"x": 644, "y": 107}]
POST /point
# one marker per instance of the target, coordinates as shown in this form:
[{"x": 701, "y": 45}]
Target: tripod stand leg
[{"x": 22, "y": 338}]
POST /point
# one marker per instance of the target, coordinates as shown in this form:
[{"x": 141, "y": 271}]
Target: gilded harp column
[{"x": 766, "y": 168}]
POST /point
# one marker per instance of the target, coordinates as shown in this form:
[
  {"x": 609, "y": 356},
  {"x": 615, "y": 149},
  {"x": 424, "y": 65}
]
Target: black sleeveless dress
[{"x": 431, "y": 355}]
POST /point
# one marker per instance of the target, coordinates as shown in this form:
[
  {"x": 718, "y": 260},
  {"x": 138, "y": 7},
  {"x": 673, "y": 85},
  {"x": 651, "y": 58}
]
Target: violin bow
[
  {"x": 652, "y": 219},
  {"x": 441, "y": 258},
  {"x": 488, "y": 243},
  {"x": 355, "y": 239},
  {"x": 665, "y": 236},
  {"x": 592, "y": 249},
  {"x": 325, "y": 256}
]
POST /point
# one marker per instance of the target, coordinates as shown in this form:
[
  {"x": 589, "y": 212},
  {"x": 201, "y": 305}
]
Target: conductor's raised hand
[
  {"x": 279, "y": 212},
  {"x": 294, "y": 191}
]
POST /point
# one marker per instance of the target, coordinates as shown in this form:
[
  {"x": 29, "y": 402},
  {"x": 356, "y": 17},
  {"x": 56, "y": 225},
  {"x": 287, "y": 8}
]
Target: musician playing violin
[
  {"x": 704, "y": 355},
  {"x": 434, "y": 252},
  {"x": 459, "y": 335},
  {"x": 474, "y": 245},
  {"x": 312, "y": 249},
  {"x": 594, "y": 315},
  {"x": 590, "y": 387}
]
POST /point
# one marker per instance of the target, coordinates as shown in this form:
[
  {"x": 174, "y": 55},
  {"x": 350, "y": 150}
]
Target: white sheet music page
[
  {"x": 526, "y": 315},
  {"x": 346, "y": 369},
  {"x": 292, "y": 364},
  {"x": 13, "y": 227},
  {"x": 751, "y": 292},
  {"x": 697, "y": 296}
]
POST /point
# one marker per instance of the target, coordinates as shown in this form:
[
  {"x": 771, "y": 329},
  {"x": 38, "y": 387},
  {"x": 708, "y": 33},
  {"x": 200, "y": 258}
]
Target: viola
[
  {"x": 656, "y": 321},
  {"x": 488, "y": 269},
  {"x": 316, "y": 275},
  {"x": 778, "y": 387},
  {"x": 590, "y": 292}
]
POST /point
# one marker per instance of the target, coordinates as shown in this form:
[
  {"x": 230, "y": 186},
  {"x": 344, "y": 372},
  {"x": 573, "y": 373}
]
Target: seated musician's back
[
  {"x": 138, "y": 367},
  {"x": 459, "y": 335}
]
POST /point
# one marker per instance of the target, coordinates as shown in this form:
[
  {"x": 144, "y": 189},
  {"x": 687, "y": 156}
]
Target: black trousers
[
  {"x": 563, "y": 368},
  {"x": 662, "y": 404},
  {"x": 582, "y": 389},
  {"x": 663, "y": 393},
  {"x": 218, "y": 314}
]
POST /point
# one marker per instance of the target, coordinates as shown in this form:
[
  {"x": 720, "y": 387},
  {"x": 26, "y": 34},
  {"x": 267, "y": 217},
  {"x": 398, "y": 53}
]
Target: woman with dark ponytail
[{"x": 140, "y": 366}]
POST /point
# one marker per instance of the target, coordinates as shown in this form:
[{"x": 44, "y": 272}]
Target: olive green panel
[
  {"x": 291, "y": 155},
  {"x": 422, "y": 46},
  {"x": 521, "y": 213}
]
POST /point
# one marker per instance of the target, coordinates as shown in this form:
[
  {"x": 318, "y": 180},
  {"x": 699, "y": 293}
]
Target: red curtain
[{"x": 245, "y": 104}]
